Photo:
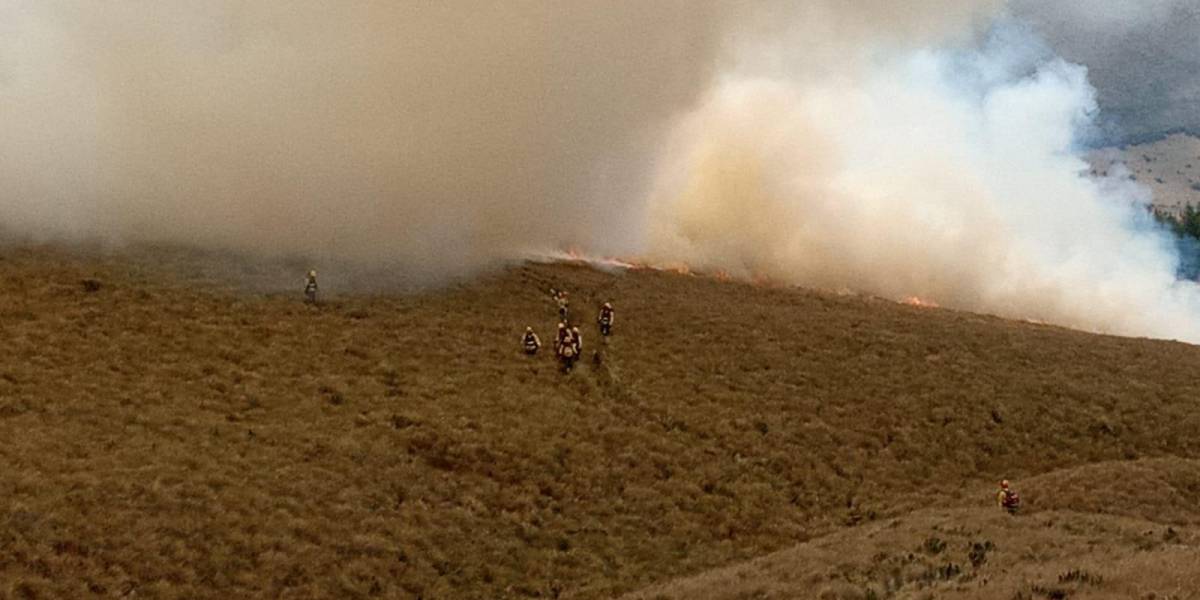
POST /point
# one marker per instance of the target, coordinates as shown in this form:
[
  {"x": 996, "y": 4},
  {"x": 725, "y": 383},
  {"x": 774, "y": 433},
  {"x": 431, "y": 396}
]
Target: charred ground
[{"x": 176, "y": 439}]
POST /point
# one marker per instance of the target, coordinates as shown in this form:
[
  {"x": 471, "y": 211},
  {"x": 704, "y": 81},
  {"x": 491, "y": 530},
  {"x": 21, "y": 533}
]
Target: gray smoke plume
[{"x": 1143, "y": 57}]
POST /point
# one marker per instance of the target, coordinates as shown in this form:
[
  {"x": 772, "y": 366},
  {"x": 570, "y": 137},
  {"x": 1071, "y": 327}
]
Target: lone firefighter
[
  {"x": 530, "y": 342},
  {"x": 310, "y": 288},
  {"x": 1007, "y": 498},
  {"x": 606, "y": 319}
]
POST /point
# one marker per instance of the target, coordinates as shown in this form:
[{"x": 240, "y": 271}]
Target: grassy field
[
  {"x": 1117, "y": 530},
  {"x": 1169, "y": 168},
  {"x": 165, "y": 435}
]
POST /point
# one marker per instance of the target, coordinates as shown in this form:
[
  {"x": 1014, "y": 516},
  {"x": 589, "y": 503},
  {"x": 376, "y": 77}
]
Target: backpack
[{"x": 1011, "y": 499}]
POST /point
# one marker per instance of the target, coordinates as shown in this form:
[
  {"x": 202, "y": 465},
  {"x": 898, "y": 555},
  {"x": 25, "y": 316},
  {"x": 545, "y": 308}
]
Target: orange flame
[{"x": 916, "y": 301}]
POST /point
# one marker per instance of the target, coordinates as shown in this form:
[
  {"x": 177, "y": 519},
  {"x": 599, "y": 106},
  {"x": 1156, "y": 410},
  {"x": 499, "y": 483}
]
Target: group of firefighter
[
  {"x": 568, "y": 347},
  {"x": 568, "y": 341}
]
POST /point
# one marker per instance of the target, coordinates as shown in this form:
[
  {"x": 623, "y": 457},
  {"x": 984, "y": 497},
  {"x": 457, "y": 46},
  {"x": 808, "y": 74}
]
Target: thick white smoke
[
  {"x": 948, "y": 174},
  {"x": 868, "y": 144}
]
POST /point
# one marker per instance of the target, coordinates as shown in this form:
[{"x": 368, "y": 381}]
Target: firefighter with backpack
[
  {"x": 568, "y": 347},
  {"x": 606, "y": 319},
  {"x": 1007, "y": 498}
]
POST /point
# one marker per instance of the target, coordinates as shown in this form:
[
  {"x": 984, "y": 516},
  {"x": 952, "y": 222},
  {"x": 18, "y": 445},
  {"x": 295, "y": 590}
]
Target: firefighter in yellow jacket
[
  {"x": 1007, "y": 498},
  {"x": 530, "y": 342}
]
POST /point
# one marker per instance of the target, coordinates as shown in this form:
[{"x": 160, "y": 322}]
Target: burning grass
[
  {"x": 186, "y": 441},
  {"x": 921, "y": 302}
]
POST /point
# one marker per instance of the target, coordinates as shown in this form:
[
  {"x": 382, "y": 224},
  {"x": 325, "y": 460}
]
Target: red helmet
[{"x": 1004, "y": 484}]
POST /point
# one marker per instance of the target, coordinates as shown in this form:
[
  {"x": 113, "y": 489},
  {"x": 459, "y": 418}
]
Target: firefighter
[
  {"x": 568, "y": 349},
  {"x": 310, "y": 288},
  {"x": 561, "y": 337},
  {"x": 564, "y": 304},
  {"x": 530, "y": 342},
  {"x": 606, "y": 319},
  {"x": 1007, "y": 498},
  {"x": 577, "y": 341}
]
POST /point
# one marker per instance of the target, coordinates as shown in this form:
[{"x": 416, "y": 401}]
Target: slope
[
  {"x": 177, "y": 438},
  {"x": 1113, "y": 530},
  {"x": 1169, "y": 167}
]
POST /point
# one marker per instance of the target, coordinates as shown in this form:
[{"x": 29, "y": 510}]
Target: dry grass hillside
[
  {"x": 1114, "y": 531},
  {"x": 164, "y": 437},
  {"x": 1169, "y": 167}
]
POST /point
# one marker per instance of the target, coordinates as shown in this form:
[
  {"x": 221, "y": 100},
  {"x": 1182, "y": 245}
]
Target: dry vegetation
[
  {"x": 171, "y": 440},
  {"x": 1169, "y": 167},
  {"x": 1143, "y": 546}
]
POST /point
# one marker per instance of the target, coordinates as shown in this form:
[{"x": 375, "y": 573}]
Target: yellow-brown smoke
[{"x": 438, "y": 135}]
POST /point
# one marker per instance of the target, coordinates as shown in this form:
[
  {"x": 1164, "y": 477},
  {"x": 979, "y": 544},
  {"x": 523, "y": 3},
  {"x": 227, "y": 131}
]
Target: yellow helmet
[{"x": 312, "y": 273}]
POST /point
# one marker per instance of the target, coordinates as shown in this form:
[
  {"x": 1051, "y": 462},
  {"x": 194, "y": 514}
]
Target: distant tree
[
  {"x": 1190, "y": 222},
  {"x": 1186, "y": 223},
  {"x": 1186, "y": 226}
]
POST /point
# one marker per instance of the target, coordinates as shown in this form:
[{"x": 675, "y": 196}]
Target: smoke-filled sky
[
  {"x": 1143, "y": 57},
  {"x": 928, "y": 147},
  {"x": 428, "y": 132}
]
